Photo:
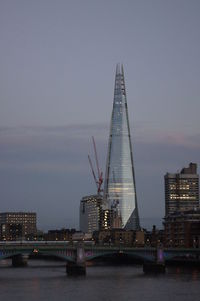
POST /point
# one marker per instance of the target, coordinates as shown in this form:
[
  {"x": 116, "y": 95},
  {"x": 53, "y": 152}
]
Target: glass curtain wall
[{"x": 119, "y": 190}]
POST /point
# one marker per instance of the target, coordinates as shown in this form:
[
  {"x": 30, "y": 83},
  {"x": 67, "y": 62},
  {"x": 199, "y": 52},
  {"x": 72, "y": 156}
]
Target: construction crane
[{"x": 99, "y": 178}]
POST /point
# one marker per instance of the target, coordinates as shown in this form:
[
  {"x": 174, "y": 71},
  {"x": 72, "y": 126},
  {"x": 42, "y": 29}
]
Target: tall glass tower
[{"x": 120, "y": 190}]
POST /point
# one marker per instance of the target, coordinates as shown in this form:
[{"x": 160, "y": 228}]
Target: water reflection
[{"x": 107, "y": 283}]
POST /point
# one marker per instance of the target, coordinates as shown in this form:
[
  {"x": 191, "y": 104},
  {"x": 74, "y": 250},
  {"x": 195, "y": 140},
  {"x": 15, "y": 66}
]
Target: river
[{"x": 46, "y": 281}]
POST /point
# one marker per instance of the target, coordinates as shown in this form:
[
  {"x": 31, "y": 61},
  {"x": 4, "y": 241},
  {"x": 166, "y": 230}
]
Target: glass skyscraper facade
[{"x": 120, "y": 190}]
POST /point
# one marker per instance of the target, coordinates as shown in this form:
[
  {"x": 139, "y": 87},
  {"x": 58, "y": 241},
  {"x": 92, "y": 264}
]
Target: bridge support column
[
  {"x": 79, "y": 266},
  {"x": 20, "y": 260},
  {"x": 158, "y": 266},
  {"x": 73, "y": 269}
]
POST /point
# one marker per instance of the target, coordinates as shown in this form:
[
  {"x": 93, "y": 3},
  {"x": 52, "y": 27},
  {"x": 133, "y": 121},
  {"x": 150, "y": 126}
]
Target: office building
[
  {"x": 120, "y": 189},
  {"x": 182, "y": 229},
  {"x": 11, "y": 231},
  {"x": 17, "y": 225},
  {"x": 90, "y": 213},
  {"x": 182, "y": 190}
]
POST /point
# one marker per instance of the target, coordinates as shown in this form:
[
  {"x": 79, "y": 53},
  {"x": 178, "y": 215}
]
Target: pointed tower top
[
  {"x": 119, "y": 82},
  {"x": 118, "y": 69}
]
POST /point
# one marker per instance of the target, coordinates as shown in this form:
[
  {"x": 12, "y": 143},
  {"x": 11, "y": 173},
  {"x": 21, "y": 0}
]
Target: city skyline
[{"x": 57, "y": 62}]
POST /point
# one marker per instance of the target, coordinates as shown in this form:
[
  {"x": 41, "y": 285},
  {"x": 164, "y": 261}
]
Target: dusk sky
[{"x": 57, "y": 68}]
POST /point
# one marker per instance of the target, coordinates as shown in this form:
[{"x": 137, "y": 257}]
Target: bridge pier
[
  {"x": 158, "y": 266},
  {"x": 73, "y": 269},
  {"x": 78, "y": 267},
  {"x": 20, "y": 260}
]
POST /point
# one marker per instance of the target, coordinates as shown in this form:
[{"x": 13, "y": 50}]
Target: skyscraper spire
[
  {"x": 120, "y": 190},
  {"x": 118, "y": 67}
]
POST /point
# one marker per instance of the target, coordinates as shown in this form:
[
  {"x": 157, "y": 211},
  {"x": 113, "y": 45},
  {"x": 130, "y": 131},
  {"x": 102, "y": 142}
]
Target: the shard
[{"x": 120, "y": 190}]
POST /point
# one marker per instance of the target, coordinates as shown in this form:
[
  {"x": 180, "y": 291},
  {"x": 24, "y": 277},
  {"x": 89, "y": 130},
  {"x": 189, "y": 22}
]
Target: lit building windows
[{"x": 182, "y": 190}]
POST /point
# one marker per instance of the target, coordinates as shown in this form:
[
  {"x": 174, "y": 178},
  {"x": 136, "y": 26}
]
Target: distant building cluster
[
  {"x": 181, "y": 221},
  {"x": 113, "y": 216},
  {"x": 101, "y": 225}
]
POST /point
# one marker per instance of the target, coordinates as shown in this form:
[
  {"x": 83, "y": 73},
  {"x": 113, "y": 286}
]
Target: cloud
[
  {"x": 39, "y": 130},
  {"x": 175, "y": 138},
  {"x": 39, "y": 165},
  {"x": 65, "y": 148}
]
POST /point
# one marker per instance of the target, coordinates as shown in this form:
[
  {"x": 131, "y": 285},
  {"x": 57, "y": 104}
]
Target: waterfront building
[
  {"x": 80, "y": 236},
  {"x": 11, "y": 231},
  {"x": 90, "y": 213},
  {"x": 123, "y": 237},
  {"x": 59, "y": 235},
  {"x": 140, "y": 238},
  {"x": 155, "y": 237},
  {"x": 103, "y": 236},
  {"x": 182, "y": 190},
  {"x": 182, "y": 229},
  {"x": 120, "y": 189},
  {"x": 17, "y": 225},
  {"x": 119, "y": 237}
]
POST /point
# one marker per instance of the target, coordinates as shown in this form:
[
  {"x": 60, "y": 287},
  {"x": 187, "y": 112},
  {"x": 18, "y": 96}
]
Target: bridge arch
[{"x": 117, "y": 254}]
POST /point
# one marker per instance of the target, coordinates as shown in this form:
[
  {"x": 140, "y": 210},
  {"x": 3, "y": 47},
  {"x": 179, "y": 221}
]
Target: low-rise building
[
  {"x": 60, "y": 235},
  {"x": 120, "y": 237},
  {"x": 182, "y": 229},
  {"x": 139, "y": 238},
  {"x": 154, "y": 237}
]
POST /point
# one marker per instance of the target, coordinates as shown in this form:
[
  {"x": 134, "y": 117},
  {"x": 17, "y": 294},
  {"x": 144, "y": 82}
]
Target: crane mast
[{"x": 99, "y": 178}]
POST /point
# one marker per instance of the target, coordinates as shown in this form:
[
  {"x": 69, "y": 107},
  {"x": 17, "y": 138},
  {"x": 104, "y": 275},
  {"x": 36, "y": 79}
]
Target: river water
[{"x": 46, "y": 281}]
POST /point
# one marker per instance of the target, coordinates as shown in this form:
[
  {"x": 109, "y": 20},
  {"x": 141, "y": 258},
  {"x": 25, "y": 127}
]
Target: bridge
[{"x": 76, "y": 255}]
